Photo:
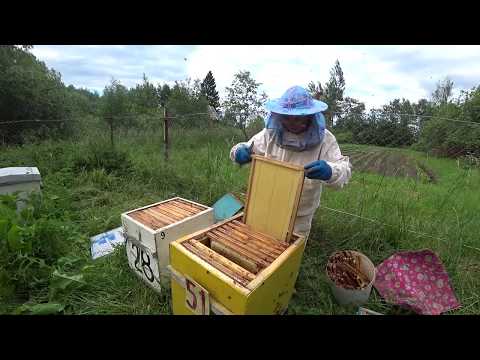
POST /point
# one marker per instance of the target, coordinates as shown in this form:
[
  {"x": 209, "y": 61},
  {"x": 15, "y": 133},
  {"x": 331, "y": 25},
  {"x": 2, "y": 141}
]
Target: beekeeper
[{"x": 295, "y": 132}]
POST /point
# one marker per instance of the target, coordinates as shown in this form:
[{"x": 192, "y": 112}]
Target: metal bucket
[{"x": 355, "y": 296}]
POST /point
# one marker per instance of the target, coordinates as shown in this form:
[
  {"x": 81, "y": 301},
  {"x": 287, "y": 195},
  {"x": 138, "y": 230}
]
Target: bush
[
  {"x": 33, "y": 250},
  {"x": 255, "y": 126},
  {"x": 100, "y": 157},
  {"x": 344, "y": 137}
]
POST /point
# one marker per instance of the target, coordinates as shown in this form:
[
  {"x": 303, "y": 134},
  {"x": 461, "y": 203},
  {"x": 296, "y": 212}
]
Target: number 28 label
[
  {"x": 145, "y": 265},
  {"x": 196, "y": 297}
]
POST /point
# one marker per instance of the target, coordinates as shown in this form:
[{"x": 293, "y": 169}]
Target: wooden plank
[
  {"x": 166, "y": 211},
  {"x": 265, "y": 273},
  {"x": 267, "y": 246},
  {"x": 234, "y": 256},
  {"x": 175, "y": 211},
  {"x": 260, "y": 236},
  {"x": 244, "y": 248},
  {"x": 250, "y": 241},
  {"x": 145, "y": 207},
  {"x": 198, "y": 207},
  {"x": 230, "y": 265},
  {"x": 264, "y": 253},
  {"x": 165, "y": 214},
  {"x": 160, "y": 217},
  {"x": 184, "y": 206},
  {"x": 223, "y": 288},
  {"x": 190, "y": 210},
  {"x": 146, "y": 220},
  {"x": 241, "y": 250},
  {"x": 204, "y": 231},
  {"x": 226, "y": 266},
  {"x": 278, "y": 163}
]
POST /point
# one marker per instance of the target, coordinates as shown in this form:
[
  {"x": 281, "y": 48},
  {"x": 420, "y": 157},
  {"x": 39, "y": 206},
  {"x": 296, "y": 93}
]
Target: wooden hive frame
[
  {"x": 273, "y": 196},
  {"x": 160, "y": 215},
  {"x": 242, "y": 254}
]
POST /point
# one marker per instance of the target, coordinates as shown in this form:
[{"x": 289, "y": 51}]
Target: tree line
[{"x": 29, "y": 90}]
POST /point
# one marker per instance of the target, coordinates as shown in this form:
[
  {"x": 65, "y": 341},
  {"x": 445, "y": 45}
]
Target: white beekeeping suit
[{"x": 281, "y": 141}]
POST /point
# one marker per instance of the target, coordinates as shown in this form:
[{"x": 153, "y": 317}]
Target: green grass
[{"x": 199, "y": 169}]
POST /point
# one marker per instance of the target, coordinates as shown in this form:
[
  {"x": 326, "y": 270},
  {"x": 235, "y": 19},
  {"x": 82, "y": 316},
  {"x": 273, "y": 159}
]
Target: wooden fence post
[{"x": 165, "y": 132}]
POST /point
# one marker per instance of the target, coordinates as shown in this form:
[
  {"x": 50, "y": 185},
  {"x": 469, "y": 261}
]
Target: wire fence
[{"x": 378, "y": 145}]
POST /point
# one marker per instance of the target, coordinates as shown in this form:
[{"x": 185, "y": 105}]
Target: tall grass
[{"x": 408, "y": 214}]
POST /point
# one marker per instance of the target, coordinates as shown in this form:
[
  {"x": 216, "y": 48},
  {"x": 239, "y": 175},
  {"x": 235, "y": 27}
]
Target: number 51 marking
[{"x": 196, "y": 298}]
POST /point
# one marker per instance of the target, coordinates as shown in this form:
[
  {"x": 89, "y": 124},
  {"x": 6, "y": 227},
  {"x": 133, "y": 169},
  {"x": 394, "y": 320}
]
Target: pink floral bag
[{"x": 417, "y": 280}]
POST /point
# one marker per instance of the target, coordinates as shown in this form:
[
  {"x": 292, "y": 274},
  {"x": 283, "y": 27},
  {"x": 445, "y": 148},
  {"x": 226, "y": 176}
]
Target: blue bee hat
[{"x": 296, "y": 101}]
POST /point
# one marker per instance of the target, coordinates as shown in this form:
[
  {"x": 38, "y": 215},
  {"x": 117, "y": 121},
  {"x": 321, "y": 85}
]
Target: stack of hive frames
[
  {"x": 166, "y": 213},
  {"x": 236, "y": 250}
]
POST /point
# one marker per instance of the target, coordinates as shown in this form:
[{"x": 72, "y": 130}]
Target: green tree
[
  {"x": 186, "y": 104},
  {"x": 82, "y": 101},
  {"x": 145, "y": 97},
  {"x": 164, "y": 93},
  {"x": 115, "y": 108},
  {"x": 334, "y": 90},
  {"x": 443, "y": 91},
  {"x": 316, "y": 90},
  {"x": 331, "y": 93},
  {"x": 209, "y": 90},
  {"x": 352, "y": 115},
  {"x": 30, "y": 91},
  {"x": 444, "y": 137},
  {"x": 423, "y": 110},
  {"x": 244, "y": 103}
]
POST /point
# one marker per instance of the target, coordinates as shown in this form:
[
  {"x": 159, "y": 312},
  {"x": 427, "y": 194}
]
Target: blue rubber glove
[
  {"x": 242, "y": 155},
  {"x": 319, "y": 170}
]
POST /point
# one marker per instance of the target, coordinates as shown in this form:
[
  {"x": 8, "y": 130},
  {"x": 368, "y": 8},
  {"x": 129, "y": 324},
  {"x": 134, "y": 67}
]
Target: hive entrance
[{"x": 236, "y": 250}]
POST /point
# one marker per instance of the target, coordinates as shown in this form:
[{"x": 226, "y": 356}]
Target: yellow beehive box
[
  {"x": 247, "y": 264},
  {"x": 150, "y": 229},
  {"x": 230, "y": 268}
]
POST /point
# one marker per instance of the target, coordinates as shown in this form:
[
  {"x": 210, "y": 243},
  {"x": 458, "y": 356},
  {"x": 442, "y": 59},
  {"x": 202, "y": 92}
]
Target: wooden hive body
[
  {"x": 248, "y": 264},
  {"x": 150, "y": 229}
]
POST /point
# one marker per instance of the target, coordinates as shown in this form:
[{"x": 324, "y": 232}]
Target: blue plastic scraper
[{"x": 227, "y": 206}]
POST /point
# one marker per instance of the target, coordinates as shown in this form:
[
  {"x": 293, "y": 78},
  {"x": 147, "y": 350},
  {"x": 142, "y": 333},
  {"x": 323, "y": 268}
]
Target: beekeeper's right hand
[{"x": 242, "y": 155}]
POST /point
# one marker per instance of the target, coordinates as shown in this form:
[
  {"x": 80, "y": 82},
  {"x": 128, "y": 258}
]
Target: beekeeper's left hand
[{"x": 319, "y": 170}]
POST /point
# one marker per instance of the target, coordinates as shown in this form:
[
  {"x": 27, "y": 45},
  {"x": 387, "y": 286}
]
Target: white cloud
[{"x": 373, "y": 74}]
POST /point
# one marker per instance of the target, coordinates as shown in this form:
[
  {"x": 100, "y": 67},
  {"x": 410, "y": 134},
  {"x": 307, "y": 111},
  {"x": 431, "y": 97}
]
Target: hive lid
[
  {"x": 227, "y": 206},
  {"x": 16, "y": 175},
  {"x": 273, "y": 196}
]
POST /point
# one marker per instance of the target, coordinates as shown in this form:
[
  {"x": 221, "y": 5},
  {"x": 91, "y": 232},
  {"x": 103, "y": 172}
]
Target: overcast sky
[{"x": 373, "y": 74}]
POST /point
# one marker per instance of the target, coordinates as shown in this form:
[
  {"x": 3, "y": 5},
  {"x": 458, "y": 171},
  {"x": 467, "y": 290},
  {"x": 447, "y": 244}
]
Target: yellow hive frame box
[
  {"x": 147, "y": 245},
  {"x": 273, "y": 196},
  {"x": 268, "y": 293}
]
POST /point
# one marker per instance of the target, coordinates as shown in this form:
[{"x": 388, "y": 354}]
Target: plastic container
[{"x": 355, "y": 296}]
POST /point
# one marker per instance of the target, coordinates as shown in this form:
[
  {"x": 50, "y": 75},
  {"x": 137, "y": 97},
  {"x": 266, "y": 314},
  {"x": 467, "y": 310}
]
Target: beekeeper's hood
[{"x": 296, "y": 101}]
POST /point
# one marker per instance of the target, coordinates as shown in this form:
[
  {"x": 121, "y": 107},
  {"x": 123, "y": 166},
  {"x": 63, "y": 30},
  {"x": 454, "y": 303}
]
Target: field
[{"x": 402, "y": 199}]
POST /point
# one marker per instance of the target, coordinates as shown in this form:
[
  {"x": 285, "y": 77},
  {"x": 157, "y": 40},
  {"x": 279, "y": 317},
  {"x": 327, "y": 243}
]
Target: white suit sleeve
[
  {"x": 259, "y": 144},
  {"x": 341, "y": 166}
]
